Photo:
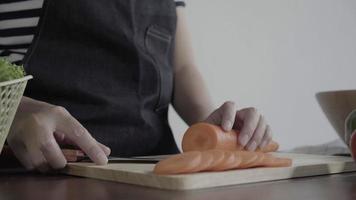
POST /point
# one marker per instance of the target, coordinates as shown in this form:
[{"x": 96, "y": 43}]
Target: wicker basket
[{"x": 10, "y": 96}]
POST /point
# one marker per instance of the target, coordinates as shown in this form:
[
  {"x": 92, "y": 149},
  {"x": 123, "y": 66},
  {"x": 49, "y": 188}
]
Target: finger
[
  {"x": 249, "y": 118},
  {"x": 21, "y": 154},
  {"x": 228, "y": 113},
  {"x": 267, "y": 138},
  {"x": 106, "y": 149},
  {"x": 255, "y": 141},
  {"x": 38, "y": 160},
  {"x": 214, "y": 117},
  {"x": 61, "y": 139},
  {"x": 80, "y": 136},
  {"x": 48, "y": 147},
  {"x": 52, "y": 153}
]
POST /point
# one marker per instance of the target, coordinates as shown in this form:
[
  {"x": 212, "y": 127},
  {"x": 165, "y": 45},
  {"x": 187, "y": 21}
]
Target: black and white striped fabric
[{"x": 18, "y": 22}]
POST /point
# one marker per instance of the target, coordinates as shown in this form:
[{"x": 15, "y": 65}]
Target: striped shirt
[{"x": 18, "y": 23}]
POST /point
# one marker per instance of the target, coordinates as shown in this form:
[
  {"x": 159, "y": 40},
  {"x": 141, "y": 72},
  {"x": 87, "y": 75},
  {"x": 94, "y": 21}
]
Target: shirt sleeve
[{"x": 180, "y": 2}]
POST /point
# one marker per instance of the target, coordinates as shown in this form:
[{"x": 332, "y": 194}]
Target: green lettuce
[{"x": 9, "y": 71}]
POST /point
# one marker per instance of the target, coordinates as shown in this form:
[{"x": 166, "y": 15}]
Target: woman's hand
[
  {"x": 254, "y": 130},
  {"x": 37, "y": 129}
]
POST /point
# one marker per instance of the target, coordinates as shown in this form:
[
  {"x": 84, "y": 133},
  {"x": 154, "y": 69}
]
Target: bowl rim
[
  {"x": 25, "y": 78},
  {"x": 334, "y": 91}
]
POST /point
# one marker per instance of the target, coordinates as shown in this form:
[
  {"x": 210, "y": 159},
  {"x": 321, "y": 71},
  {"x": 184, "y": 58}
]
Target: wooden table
[{"x": 35, "y": 186}]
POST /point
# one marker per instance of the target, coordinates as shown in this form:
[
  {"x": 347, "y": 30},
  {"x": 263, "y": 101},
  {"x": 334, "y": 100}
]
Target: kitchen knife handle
[{"x": 71, "y": 155}]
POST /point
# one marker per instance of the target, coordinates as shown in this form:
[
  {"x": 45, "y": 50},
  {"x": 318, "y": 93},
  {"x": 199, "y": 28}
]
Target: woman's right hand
[{"x": 37, "y": 130}]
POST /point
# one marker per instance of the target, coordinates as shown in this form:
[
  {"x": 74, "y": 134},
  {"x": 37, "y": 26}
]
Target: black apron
[{"x": 109, "y": 63}]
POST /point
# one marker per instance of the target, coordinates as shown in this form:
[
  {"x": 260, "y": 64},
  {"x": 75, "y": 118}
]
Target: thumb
[{"x": 224, "y": 116}]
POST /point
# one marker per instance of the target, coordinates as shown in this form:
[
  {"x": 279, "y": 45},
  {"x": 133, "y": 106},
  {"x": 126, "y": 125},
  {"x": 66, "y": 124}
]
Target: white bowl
[{"x": 337, "y": 105}]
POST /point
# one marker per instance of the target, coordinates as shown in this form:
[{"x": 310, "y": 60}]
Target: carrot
[
  {"x": 180, "y": 163},
  {"x": 271, "y": 161},
  {"x": 238, "y": 161},
  {"x": 218, "y": 158},
  {"x": 207, "y": 147},
  {"x": 207, "y": 160},
  {"x": 204, "y": 136},
  {"x": 271, "y": 147},
  {"x": 228, "y": 162},
  {"x": 247, "y": 158},
  {"x": 258, "y": 162}
]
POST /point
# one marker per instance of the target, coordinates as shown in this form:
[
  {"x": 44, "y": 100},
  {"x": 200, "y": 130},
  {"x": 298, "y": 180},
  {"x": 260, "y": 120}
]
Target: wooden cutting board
[{"x": 141, "y": 174}]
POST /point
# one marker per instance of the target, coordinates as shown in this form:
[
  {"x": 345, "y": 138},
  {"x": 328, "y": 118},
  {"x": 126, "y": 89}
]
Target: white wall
[{"x": 275, "y": 55}]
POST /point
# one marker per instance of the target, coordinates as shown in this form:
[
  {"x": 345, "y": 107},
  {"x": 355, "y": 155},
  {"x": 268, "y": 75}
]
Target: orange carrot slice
[
  {"x": 271, "y": 147},
  {"x": 258, "y": 162},
  {"x": 238, "y": 161},
  {"x": 218, "y": 156},
  {"x": 204, "y": 136},
  {"x": 228, "y": 162},
  {"x": 180, "y": 163},
  {"x": 271, "y": 161},
  {"x": 207, "y": 159},
  {"x": 247, "y": 158}
]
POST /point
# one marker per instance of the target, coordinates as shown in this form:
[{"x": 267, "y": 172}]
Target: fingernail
[
  {"x": 227, "y": 125},
  {"x": 263, "y": 144},
  {"x": 252, "y": 146},
  {"x": 243, "y": 140}
]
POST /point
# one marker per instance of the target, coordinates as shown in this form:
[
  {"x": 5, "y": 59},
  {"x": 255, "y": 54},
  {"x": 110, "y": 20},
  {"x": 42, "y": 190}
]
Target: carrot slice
[
  {"x": 271, "y": 147},
  {"x": 180, "y": 163},
  {"x": 218, "y": 156},
  {"x": 204, "y": 136},
  {"x": 228, "y": 162},
  {"x": 247, "y": 158},
  {"x": 271, "y": 161},
  {"x": 258, "y": 162},
  {"x": 238, "y": 161},
  {"x": 207, "y": 159}
]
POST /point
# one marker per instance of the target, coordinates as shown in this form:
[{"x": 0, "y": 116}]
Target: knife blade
[{"x": 139, "y": 159}]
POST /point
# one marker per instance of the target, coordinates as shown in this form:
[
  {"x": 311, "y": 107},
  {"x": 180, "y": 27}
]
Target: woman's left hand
[{"x": 254, "y": 130}]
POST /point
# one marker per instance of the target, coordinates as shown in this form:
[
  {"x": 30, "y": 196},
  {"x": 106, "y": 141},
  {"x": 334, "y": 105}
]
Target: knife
[
  {"x": 76, "y": 155},
  {"x": 141, "y": 159}
]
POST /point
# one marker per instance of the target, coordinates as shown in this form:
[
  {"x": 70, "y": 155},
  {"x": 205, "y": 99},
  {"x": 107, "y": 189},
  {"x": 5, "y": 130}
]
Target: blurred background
[{"x": 275, "y": 55}]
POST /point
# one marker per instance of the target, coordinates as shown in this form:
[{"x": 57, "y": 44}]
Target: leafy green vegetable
[{"x": 10, "y": 71}]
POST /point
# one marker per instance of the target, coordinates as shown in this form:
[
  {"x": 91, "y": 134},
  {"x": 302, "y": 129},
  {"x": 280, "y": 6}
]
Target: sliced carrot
[
  {"x": 207, "y": 160},
  {"x": 271, "y": 161},
  {"x": 205, "y": 136},
  {"x": 180, "y": 163},
  {"x": 238, "y": 161},
  {"x": 247, "y": 158},
  {"x": 228, "y": 162},
  {"x": 73, "y": 155},
  {"x": 218, "y": 156},
  {"x": 258, "y": 162},
  {"x": 271, "y": 147}
]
